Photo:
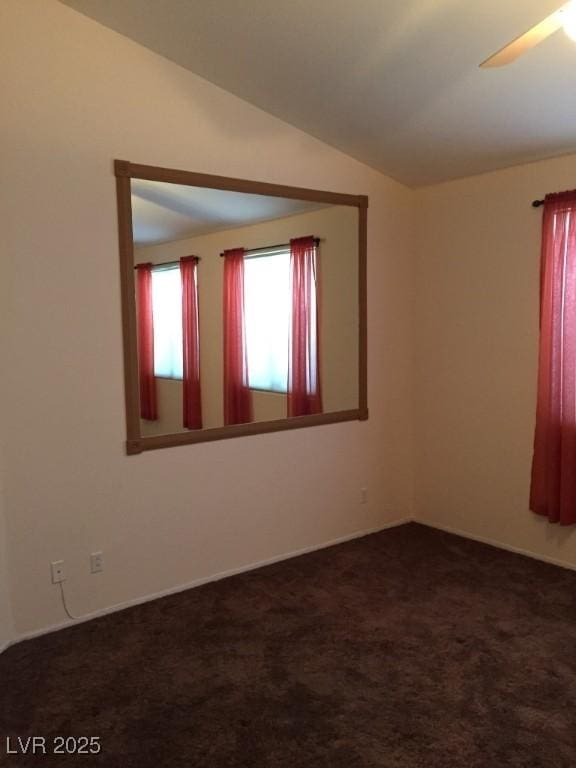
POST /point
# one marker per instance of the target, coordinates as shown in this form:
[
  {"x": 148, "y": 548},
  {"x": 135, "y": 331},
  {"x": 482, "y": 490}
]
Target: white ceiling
[
  {"x": 394, "y": 83},
  {"x": 164, "y": 212}
]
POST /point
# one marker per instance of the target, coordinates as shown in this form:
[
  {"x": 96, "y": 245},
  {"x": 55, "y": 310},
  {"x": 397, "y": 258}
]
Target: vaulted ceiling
[
  {"x": 162, "y": 212},
  {"x": 393, "y": 83}
]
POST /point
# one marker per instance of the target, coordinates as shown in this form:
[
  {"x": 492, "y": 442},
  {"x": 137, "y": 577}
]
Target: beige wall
[
  {"x": 337, "y": 227},
  {"x": 477, "y": 321},
  {"x": 7, "y": 301},
  {"x": 6, "y": 619},
  {"x": 76, "y": 95}
]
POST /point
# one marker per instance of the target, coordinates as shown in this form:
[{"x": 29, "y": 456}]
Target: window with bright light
[
  {"x": 267, "y": 317},
  {"x": 267, "y": 307},
  {"x": 167, "y": 311}
]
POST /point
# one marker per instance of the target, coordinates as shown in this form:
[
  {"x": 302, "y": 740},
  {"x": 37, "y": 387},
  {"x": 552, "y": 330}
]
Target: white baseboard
[
  {"x": 497, "y": 544},
  {"x": 280, "y": 558},
  {"x": 203, "y": 580}
]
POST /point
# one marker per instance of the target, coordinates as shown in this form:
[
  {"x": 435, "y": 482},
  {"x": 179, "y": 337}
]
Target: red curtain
[
  {"x": 304, "y": 396},
  {"x": 237, "y": 395},
  {"x": 553, "y": 489},
  {"x": 148, "y": 407},
  {"x": 192, "y": 401}
]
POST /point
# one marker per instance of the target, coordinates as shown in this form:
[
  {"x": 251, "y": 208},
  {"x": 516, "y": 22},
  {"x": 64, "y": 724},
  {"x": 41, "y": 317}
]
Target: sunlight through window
[
  {"x": 167, "y": 309},
  {"x": 267, "y": 313}
]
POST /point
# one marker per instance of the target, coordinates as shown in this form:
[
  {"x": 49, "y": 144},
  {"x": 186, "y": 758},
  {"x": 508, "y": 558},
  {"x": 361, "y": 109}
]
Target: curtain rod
[
  {"x": 167, "y": 263},
  {"x": 272, "y": 247},
  {"x": 556, "y": 196}
]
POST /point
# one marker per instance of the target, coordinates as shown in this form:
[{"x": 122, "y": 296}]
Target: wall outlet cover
[
  {"x": 58, "y": 573},
  {"x": 96, "y": 562}
]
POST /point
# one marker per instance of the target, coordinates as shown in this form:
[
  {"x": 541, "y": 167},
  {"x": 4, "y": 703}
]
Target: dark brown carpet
[{"x": 410, "y": 648}]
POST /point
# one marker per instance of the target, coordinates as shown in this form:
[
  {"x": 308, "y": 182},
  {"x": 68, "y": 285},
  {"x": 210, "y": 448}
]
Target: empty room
[{"x": 288, "y": 388}]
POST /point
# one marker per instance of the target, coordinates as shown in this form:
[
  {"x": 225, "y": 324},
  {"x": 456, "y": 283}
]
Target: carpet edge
[
  {"x": 494, "y": 543},
  {"x": 203, "y": 580}
]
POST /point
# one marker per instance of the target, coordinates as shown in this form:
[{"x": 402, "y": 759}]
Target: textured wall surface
[
  {"x": 77, "y": 95},
  {"x": 477, "y": 330}
]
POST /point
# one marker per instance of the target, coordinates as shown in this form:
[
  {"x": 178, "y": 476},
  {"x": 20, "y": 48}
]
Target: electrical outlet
[
  {"x": 363, "y": 495},
  {"x": 58, "y": 573},
  {"x": 96, "y": 562}
]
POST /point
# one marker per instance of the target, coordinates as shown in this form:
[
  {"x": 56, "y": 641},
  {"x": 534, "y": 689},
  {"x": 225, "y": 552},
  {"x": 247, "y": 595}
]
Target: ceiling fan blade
[{"x": 528, "y": 40}]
